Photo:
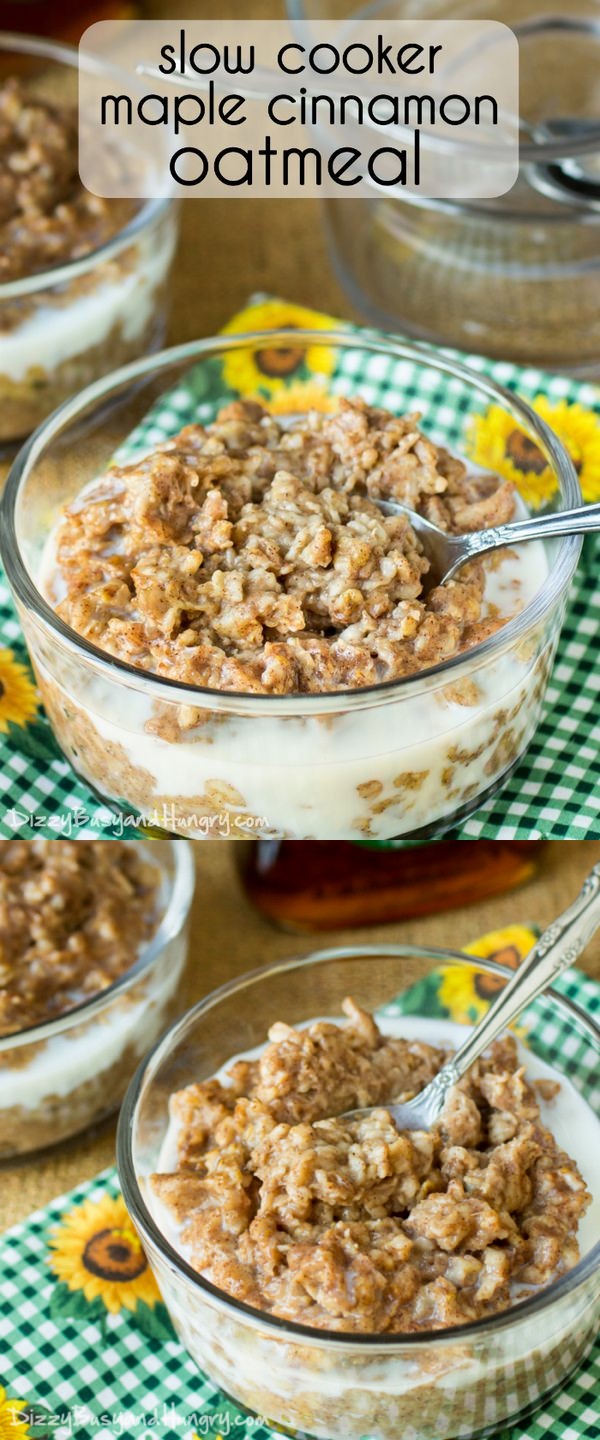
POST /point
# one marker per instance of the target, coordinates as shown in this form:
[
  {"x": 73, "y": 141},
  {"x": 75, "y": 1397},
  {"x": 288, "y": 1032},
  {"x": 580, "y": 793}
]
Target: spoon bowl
[{"x": 447, "y": 553}]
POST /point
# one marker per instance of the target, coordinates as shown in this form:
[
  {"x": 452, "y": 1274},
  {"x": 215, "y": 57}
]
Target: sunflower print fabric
[
  {"x": 18, "y": 697},
  {"x": 102, "y": 1269},
  {"x": 96, "y": 1253},
  {"x": 461, "y": 994},
  {"x": 23, "y": 725},
  {"x": 465, "y": 994},
  {"x": 497, "y": 443},
  {"x": 284, "y": 379},
  {"x": 12, "y": 1427}
]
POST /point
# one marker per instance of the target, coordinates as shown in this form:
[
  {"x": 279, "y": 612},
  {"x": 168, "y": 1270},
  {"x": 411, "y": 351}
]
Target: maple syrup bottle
[
  {"x": 333, "y": 884},
  {"x": 62, "y": 19}
]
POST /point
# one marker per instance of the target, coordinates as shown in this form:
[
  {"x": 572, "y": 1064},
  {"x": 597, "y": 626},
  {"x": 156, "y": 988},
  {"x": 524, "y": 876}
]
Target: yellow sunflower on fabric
[
  {"x": 496, "y": 442},
  {"x": 298, "y": 399},
  {"x": 267, "y": 370},
  {"x": 466, "y": 992},
  {"x": 579, "y": 430},
  {"x": 11, "y": 1428},
  {"x": 18, "y": 696},
  {"x": 97, "y": 1251}
]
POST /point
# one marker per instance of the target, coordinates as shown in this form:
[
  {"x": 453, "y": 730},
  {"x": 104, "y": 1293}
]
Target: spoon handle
[
  {"x": 536, "y": 527},
  {"x": 559, "y": 946}
]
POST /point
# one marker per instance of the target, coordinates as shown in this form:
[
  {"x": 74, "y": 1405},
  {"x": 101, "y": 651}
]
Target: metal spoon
[
  {"x": 559, "y": 946},
  {"x": 447, "y": 553}
]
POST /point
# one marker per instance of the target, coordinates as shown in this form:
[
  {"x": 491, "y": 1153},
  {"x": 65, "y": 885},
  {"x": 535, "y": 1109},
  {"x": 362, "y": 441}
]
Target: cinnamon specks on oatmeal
[
  {"x": 351, "y": 1225},
  {"x": 248, "y": 555},
  {"x": 73, "y": 915},
  {"x": 46, "y": 216}
]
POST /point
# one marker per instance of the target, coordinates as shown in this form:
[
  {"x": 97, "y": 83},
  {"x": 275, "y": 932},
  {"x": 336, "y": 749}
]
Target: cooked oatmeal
[
  {"x": 46, "y": 216},
  {"x": 65, "y": 332},
  {"x": 73, "y": 915},
  {"x": 248, "y": 555},
  {"x": 354, "y": 1226}
]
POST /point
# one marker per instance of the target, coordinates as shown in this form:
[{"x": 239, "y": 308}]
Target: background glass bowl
[
  {"x": 405, "y": 757},
  {"x": 62, "y": 328},
  {"x": 516, "y": 277},
  {"x": 520, "y": 284},
  {"x": 432, "y": 1386},
  {"x": 62, "y": 1077}
]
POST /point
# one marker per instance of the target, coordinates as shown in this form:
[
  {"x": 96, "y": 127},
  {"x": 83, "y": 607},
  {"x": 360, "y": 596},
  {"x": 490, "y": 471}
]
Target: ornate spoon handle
[
  {"x": 559, "y": 946},
  {"x": 536, "y": 527}
]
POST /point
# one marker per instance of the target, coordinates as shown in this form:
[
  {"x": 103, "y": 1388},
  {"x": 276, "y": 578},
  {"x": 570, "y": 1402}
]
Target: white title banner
[{"x": 267, "y": 109}]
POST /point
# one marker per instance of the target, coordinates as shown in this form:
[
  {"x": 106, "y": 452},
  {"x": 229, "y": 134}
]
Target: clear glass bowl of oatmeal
[
  {"x": 322, "y": 698},
  {"x": 83, "y": 281},
  {"x": 303, "y": 1357},
  {"x": 93, "y": 948}
]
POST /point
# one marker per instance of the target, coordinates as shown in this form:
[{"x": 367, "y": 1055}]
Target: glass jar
[
  {"x": 404, "y": 757},
  {"x": 516, "y": 277},
  {"x": 326, "y": 885}
]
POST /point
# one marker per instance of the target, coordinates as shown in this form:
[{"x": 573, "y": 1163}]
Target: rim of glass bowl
[
  {"x": 262, "y": 1319},
  {"x": 181, "y": 892},
  {"x": 562, "y": 214},
  {"x": 148, "y": 212},
  {"x": 385, "y": 691}
]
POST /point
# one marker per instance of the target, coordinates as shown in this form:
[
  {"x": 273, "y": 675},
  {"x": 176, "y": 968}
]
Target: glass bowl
[
  {"x": 516, "y": 277},
  {"x": 406, "y": 757},
  {"x": 432, "y": 1385},
  {"x": 62, "y": 1077},
  {"x": 519, "y": 283},
  {"x": 62, "y": 328}
]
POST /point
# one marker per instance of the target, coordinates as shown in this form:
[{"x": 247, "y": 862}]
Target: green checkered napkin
[
  {"x": 76, "y": 1368},
  {"x": 555, "y": 791}
]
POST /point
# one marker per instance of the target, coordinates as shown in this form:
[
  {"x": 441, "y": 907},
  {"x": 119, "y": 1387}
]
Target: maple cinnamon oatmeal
[
  {"x": 46, "y": 215},
  {"x": 248, "y": 555},
  {"x": 73, "y": 917},
  {"x": 69, "y": 311},
  {"x": 355, "y": 1226},
  {"x": 81, "y": 955}
]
